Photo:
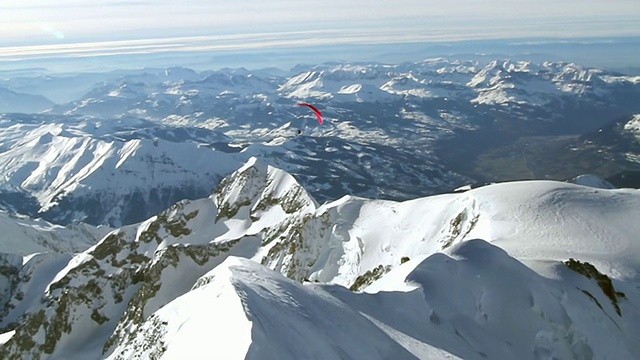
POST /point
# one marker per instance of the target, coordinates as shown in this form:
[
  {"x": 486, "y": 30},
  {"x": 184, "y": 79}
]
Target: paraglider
[{"x": 315, "y": 110}]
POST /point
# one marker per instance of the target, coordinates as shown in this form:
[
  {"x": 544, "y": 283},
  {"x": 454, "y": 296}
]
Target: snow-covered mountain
[
  {"x": 22, "y": 236},
  {"x": 392, "y": 131},
  {"x": 633, "y": 126},
  {"x": 122, "y": 170},
  {"x": 260, "y": 270},
  {"x": 410, "y": 106},
  {"x": 65, "y": 87},
  {"x": 531, "y": 91},
  {"x": 104, "y": 171}
]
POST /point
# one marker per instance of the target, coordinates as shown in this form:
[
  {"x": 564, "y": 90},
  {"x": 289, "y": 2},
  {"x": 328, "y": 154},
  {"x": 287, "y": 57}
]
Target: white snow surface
[
  {"x": 507, "y": 295},
  {"x": 4, "y": 337},
  {"x": 24, "y": 236},
  {"x": 88, "y": 157},
  {"x": 633, "y": 125},
  {"x": 470, "y": 275},
  {"x": 531, "y": 220},
  {"x": 79, "y": 161}
]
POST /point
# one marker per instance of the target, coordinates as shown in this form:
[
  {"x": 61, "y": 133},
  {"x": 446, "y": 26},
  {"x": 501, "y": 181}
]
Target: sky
[{"x": 31, "y": 29}]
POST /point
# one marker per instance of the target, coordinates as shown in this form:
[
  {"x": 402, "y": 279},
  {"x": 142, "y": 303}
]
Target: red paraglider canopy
[{"x": 315, "y": 110}]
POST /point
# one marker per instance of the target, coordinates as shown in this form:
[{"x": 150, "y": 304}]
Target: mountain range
[
  {"x": 445, "y": 209},
  {"x": 138, "y": 141},
  {"x": 261, "y": 270}
]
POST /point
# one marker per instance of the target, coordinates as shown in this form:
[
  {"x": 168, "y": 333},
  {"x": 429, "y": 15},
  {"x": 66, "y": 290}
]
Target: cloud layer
[{"x": 37, "y": 29}]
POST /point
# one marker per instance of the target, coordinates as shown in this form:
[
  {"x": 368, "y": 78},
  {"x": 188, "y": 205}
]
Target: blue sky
[{"x": 77, "y": 28}]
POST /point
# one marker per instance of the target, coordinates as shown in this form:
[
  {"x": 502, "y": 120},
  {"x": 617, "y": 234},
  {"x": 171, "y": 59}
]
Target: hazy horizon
[
  {"x": 616, "y": 54},
  {"x": 109, "y": 34}
]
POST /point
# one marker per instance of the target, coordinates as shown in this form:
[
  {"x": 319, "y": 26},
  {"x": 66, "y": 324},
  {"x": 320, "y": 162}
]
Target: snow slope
[
  {"x": 105, "y": 171},
  {"x": 24, "y": 236},
  {"x": 633, "y": 125},
  {"x": 534, "y": 220},
  {"x": 532, "y": 269},
  {"x": 472, "y": 302}
]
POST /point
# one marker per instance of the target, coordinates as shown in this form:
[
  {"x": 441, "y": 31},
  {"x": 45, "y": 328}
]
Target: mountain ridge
[
  {"x": 392, "y": 131},
  {"x": 482, "y": 273}
]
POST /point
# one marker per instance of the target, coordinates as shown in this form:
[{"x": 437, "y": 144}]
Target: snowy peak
[
  {"x": 131, "y": 273},
  {"x": 494, "y": 82},
  {"x": 342, "y": 82},
  {"x": 343, "y": 242},
  {"x": 211, "y": 299},
  {"x": 66, "y": 164},
  {"x": 169, "y": 92},
  {"x": 633, "y": 126},
  {"x": 265, "y": 325},
  {"x": 450, "y": 307},
  {"x": 498, "y": 271},
  {"x": 304, "y": 85},
  {"x": 140, "y": 268},
  {"x": 183, "y": 93},
  {"x": 260, "y": 188}
]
